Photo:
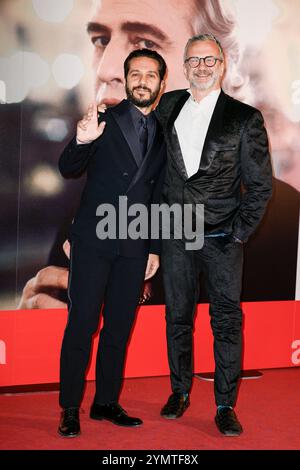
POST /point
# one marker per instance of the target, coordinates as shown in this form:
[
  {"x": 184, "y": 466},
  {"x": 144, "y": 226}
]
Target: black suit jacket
[
  {"x": 115, "y": 168},
  {"x": 235, "y": 156}
]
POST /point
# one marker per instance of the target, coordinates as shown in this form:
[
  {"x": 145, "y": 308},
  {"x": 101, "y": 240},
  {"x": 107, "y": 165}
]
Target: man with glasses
[{"x": 216, "y": 146}]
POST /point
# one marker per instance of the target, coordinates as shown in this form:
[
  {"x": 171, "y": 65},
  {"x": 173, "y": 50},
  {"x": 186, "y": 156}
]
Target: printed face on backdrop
[
  {"x": 202, "y": 77},
  {"x": 119, "y": 26}
]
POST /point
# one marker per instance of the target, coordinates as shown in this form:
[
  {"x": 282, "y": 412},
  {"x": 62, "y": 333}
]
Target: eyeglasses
[{"x": 209, "y": 61}]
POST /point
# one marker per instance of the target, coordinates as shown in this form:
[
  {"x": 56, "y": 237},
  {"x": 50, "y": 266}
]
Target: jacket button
[{"x": 125, "y": 174}]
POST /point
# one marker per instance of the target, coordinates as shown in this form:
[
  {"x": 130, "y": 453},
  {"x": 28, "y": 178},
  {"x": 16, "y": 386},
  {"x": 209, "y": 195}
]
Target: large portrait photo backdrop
[{"x": 56, "y": 57}]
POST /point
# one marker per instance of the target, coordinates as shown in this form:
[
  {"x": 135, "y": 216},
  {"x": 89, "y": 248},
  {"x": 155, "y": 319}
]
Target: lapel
[
  {"x": 122, "y": 117},
  {"x": 214, "y": 131},
  {"x": 150, "y": 156},
  {"x": 172, "y": 136}
]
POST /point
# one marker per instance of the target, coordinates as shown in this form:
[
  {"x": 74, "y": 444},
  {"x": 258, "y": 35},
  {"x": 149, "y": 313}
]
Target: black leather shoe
[
  {"x": 69, "y": 424},
  {"x": 114, "y": 412},
  {"x": 175, "y": 406},
  {"x": 227, "y": 422}
]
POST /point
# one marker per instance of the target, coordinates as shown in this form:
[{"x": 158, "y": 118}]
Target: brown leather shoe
[
  {"x": 227, "y": 422},
  {"x": 175, "y": 406},
  {"x": 69, "y": 424}
]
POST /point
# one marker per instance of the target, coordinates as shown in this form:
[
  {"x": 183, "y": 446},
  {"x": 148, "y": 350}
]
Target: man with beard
[
  {"x": 123, "y": 156},
  {"x": 217, "y": 156}
]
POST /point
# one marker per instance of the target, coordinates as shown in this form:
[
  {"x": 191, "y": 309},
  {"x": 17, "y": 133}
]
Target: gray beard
[{"x": 203, "y": 86}]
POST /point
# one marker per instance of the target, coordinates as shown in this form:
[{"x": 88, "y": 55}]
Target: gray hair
[
  {"x": 203, "y": 37},
  {"x": 216, "y": 18}
]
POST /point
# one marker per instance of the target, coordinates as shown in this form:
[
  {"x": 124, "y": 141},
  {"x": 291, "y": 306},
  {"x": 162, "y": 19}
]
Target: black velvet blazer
[{"x": 234, "y": 179}]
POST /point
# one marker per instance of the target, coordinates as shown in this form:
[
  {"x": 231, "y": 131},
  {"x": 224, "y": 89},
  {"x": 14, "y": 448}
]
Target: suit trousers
[
  {"x": 96, "y": 279},
  {"x": 221, "y": 261}
]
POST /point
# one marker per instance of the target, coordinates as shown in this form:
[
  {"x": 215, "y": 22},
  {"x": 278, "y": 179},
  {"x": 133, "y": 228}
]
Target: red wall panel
[{"x": 30, "y": 342}]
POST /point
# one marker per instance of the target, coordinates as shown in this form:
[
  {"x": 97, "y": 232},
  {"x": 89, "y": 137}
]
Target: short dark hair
[{"x": 146, "y": 53}]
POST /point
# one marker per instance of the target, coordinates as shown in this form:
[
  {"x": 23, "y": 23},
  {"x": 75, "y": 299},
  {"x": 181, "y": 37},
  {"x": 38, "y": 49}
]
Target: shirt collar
[
  {"x": 212, "y": 96},
  {"x": 137, "y": 114}
]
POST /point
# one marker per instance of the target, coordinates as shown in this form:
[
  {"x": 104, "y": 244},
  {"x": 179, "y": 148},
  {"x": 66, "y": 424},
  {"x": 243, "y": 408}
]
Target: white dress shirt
[{"x": 191, "y": 126}]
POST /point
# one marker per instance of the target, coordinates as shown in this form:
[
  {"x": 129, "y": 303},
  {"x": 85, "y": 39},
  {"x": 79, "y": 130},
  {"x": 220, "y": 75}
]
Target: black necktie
[{"x": 143, "y": 135}]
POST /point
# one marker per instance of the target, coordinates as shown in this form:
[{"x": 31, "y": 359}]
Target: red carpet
[{"x": 268, "y": 408}]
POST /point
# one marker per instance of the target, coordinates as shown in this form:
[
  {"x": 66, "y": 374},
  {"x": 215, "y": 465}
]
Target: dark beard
[{"x": 141, "y": 103}]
